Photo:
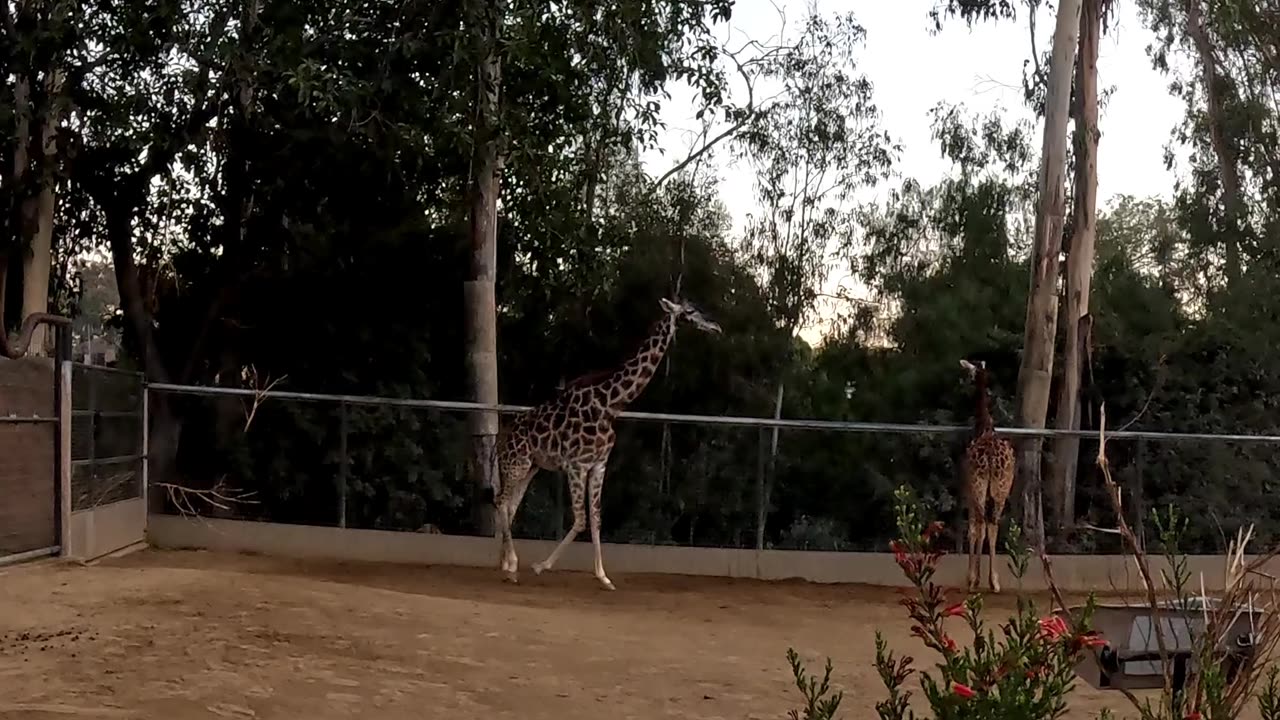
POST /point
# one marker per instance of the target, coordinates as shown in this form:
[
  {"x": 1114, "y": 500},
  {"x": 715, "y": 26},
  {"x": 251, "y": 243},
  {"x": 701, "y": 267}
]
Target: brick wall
[{"x": 27, "y": 520}]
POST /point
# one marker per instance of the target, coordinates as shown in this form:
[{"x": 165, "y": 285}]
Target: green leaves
[{"x": 820, "y": 703}]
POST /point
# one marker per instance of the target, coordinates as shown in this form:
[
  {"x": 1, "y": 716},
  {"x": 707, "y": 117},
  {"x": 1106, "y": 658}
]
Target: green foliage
[
  {"x": 819, "y": 702},
  {"x": 1025, "y": 668},
  {"x": 290, "y": 183}
]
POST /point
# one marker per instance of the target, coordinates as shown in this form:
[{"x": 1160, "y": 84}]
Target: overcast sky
[{"x": 981, "y": 68}]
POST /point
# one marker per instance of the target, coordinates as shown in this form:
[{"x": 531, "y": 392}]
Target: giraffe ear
[
  {"x": 969, "y": 367},
  {"x": 669, "y": 306}
]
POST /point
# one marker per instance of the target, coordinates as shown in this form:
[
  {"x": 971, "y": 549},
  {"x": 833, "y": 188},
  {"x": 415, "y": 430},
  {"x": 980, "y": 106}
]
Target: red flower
[
  {"x": 1092, "y": 640},
  {"x": 934, "y": 528},
  {"x": 948, "y": 643},
  {"x": 956, "y": 610},
  {"x": 963, "y": 691},
  {"x": 1053, "y": 627},
  {"x": 1193, "y": 715}
]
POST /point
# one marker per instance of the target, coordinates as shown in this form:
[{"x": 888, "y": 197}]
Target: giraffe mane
[
  {"x": 982, "y": 422},
  {"x": 595, "y": 376},
  {"x": 590, "y": 378}
]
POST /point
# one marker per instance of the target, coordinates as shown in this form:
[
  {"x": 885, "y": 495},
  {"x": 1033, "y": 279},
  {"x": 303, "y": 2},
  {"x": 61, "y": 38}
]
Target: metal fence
[
  {"x": 106, "y": 436},
  {"x": 28, "y": 445},
  {"x": 400, "y": 464}
]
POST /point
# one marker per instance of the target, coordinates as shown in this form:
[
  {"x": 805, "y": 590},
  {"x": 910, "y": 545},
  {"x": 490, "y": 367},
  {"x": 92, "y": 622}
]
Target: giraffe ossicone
[{"x": 573, "y": 432}]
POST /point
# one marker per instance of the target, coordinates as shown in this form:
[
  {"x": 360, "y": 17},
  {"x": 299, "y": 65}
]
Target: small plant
[
  {"x": 1022, "y": 668},
  {"x": 1269, "y": 696},
  {"x": 820, "y": 704}
]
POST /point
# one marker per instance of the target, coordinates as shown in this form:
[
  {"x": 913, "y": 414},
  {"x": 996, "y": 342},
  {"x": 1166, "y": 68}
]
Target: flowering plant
[{"x": 1020, "y": 670}]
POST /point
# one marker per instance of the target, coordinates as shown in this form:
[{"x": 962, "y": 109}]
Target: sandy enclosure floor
[{"x": 184, "y": 635}]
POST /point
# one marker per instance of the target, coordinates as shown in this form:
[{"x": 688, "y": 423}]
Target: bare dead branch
[
  {"x": 219, "y": 496},
  {"x": 260, "y": 392}
]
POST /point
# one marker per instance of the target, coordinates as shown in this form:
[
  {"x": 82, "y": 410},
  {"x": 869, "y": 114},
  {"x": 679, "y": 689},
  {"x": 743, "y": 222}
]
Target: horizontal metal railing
[
  {"x": 27, "y": 419},
  {"x": 729, "y": 421}
]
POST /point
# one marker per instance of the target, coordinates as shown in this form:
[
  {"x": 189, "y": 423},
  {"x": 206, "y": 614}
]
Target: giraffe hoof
[
  {"x": 604, "y": 583},
  {"x": 539, "y": 568},
  {"x": 511, "y": 577}
]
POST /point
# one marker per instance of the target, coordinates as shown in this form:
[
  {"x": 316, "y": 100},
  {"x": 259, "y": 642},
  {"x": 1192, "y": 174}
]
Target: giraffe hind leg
[
  {"x": 976, "y": 494},
  {"x": 996, "y": 508},
  {"x": 977, "y": 530},
  {"x": 596, "y": 480},
  {"x": 515, "y": 479},
  {"x": 577, "y": 491}
]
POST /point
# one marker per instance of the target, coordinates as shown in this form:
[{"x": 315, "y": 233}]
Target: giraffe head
[
  {"x": 684, "y": 310},
  {"x": 973, "y": 369}
]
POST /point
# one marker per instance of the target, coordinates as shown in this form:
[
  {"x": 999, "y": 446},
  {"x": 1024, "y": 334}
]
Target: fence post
[
  {"x": 1136, "y": 490},
  {"x": 343, "y": 463},
  {"x": 91, "y": 378},
  {"x": 62, "y": 455},
  {"x": 146, "y": 444}
]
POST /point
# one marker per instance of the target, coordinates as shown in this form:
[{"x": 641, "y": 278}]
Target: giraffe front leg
[{"x": 596, "y": 490}]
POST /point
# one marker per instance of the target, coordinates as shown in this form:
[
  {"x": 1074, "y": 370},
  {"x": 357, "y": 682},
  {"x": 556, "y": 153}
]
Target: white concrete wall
[
  {"x": 105, "y": 529},
  {"x": 1074, "y": 573}
]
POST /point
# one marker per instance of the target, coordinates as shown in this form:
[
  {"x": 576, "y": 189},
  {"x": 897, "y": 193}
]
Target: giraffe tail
[{"x": 989, "y": 510}]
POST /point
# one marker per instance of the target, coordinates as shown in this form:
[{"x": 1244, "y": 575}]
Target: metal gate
[
  {"x": 30, "y": 502},
  {"x": 108, "y": 451}
]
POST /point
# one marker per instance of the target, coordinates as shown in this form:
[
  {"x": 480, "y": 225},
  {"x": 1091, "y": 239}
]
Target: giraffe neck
[
  {"x": 627, "y": 382},
  {"x": 982, "y": 423}
]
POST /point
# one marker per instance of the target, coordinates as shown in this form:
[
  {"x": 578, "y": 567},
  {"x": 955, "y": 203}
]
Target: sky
[{"x": 913, "y": 70}]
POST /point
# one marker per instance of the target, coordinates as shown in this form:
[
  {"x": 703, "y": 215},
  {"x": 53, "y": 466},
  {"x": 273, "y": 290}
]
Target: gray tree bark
[
  {"x": 479, "y": 291},
  {"x": 38, "y": 261},
  {"x": 1036, "y": 371},
  {"x": 1080, "y": 257},
  {"x": 1228, "y": 168}
]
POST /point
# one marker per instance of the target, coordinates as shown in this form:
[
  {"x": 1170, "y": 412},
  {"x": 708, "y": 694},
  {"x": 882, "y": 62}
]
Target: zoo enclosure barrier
[
  {"x": 32, "y": 429},
  {"x": 107, "y": 436},
  {"x": 360, "y": 462}
]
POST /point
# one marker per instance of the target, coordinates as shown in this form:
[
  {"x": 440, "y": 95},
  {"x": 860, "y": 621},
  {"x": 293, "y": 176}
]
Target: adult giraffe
[
  {"x": 989, "y": 464},
  {"x": 574, "y": 432}
]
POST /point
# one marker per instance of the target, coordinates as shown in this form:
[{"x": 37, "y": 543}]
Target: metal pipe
[
  {"x": 17, "y": 346},
  {"x": 107, "y": 414},
  {"x": 117, "y": 460},
  {"x": 29, "y": 555},
  {"x": 27, "y": 419},
  {"x": 105, "y": 369},
  {"x": 729, "y": 421}
]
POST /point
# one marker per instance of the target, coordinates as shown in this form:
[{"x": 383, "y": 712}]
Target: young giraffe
[
  {"x": 988, "y": 478},
  {"x": 573, "y": 432}
]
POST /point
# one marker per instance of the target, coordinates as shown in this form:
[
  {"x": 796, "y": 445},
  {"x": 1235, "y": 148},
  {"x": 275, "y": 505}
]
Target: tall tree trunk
[
  {"x": 1066, "y": 450},
  {"x": 478, "y": 291},
  {"x": 1228, "y": 169},
  {"x": 38, "y": 261},
  {"x": 18, "y": 210},
  {"x": 765, "y": 478},
  {"x": 4, "y": 287},
  {"x": 1036, "y": 371}
]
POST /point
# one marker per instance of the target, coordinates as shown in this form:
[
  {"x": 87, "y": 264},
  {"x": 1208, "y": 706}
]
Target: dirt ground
[{"x": 185, "y": 635}]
